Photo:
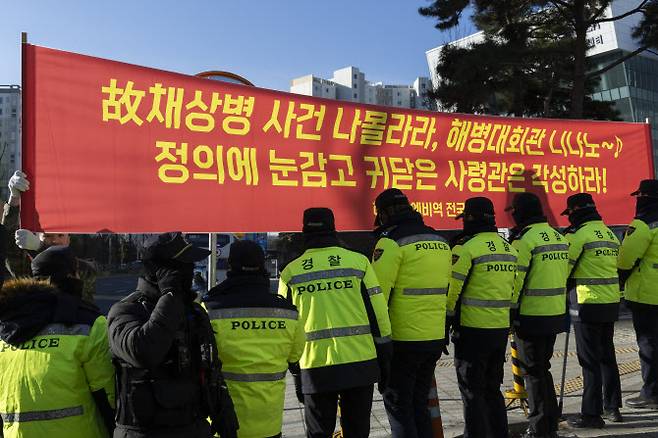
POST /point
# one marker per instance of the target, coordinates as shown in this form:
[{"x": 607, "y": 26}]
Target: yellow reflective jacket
[
  {"x": 593, "y": 250},
  {"x": 483, "y": 281},
  {"x": 344, "y": 314},
  {"x": 413, "y": 266},
  {"x": 639, "y": 253},
  {"x": 258, "y": 334},
  {"x": 47, "y": 378},
  {"x": 541, "y": 279}
]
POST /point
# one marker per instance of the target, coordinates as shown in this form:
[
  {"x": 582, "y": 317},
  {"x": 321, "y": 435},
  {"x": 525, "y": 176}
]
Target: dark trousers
[
  {"x": 479, "y": 375},
  {"x": 408, "y": 389},
  {"x": 596, "y": 355},
  {"x": 355, "y": 405},
  {"x": 645, "y": 322},
  {"x": 535, "y": 353}
]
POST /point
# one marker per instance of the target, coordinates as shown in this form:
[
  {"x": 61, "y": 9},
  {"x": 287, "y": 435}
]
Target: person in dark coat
[{"x": 168, "y": 372}]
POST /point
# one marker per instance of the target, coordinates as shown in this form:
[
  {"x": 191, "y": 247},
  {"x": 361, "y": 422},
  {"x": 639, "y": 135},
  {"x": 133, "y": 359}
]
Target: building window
[
  {"x": 398, "y": 94},
  {"x": 0, "y": 111},
  {"x": 326, "y": 90},
  {"x": 399, "y": 103},
  {"x": 354, "y": 85},
  {"x": 355, "y": 76},
  {"x": 356, "y": 96},
  {"x": 0, "y": 99}
]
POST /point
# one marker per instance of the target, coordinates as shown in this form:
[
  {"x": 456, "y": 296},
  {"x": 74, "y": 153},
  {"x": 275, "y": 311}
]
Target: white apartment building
[
  {"x": 350, "y": 84},
  {"x": 10, "y": 134}
]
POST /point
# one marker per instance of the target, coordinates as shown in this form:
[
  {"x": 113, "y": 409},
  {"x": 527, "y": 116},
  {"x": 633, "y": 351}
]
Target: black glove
[
  {"x": 226, "y": 424},
  {"x": 170, "y": 280},
  {"x": 297, "y": 378},
  {"x": 384, "y": 358}
]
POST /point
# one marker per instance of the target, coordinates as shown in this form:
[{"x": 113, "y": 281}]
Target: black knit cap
[
  {"x": 55, "y": 261},
  {"x": 578, "y": 202},
  {"x": 246, "y": 256},
  {"x": 390, "y": 197},
  {"x": 648, "y": 188},
  {"x": 172, "y": 246},
  {"x": 318, "y": 220},
  {"x": 528, "y": 203},
  {"x": 477, "y": 207}
]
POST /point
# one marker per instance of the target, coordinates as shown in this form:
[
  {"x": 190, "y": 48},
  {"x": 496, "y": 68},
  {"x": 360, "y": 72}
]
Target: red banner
[{"x": 115, "y": 147}]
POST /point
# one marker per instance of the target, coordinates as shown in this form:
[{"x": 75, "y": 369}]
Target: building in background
[
  {"x": 350, "y": 84},
  {"x": 631, "y": 85},
  {"x": 10, "y": 134}
]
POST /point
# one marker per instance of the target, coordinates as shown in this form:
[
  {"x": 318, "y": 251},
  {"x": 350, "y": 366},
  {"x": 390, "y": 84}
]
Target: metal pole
[
  {"x": 564, "y": 368},
  {"x": 212, "y": 261}
]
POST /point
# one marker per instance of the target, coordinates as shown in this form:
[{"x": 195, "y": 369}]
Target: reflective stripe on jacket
[
  {"x": 258, "y": 334},
  {"x": 639, "y": 252},
  {"x": 541, "y": 279},
  {"x": 593, "y": 250},
  {"x": 414, "y": 273},
  {"x": 46, "y": 383},
  {"x": 483, "y": 279},
  {"x": 333, "y": 287}
]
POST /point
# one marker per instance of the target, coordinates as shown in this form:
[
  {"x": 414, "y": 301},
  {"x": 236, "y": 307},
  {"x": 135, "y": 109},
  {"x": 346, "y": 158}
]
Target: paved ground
[{"x": 637, "y": 424}]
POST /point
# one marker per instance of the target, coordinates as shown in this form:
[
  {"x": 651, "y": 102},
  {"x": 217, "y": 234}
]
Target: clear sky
[{"x": 268, "y": 42}]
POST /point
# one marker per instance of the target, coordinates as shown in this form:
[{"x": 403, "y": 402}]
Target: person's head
[
  {"x": 580, "y": 207},
  {"x": 525, "y": 206},
  {"x": 478, "y": 215},
  {"x": 173, "y": 251},
  {"x": 318, "y": 220},
  {"x": 646, "y": 196},
  {"x": 51, "y": 239},
  {"x": 246, "y": 258},
  {"x": 388, "y": 204},
  {"x": 59, "y": 265}
]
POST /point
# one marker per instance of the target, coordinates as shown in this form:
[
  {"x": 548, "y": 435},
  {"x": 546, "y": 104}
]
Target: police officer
[
  {"x": 258, "y": 336},
  {"x": 56, "y": 374},
  {"x": 413, "y": 265},
  {"x": 479, "y": 301},
  {"x": 345, "y": 318},
  {"x": 638, "y": 265},
  {"x": 594, "y": 305},
  {"x": 540, "y": 294},
  {"x": 164, "y": 350}
]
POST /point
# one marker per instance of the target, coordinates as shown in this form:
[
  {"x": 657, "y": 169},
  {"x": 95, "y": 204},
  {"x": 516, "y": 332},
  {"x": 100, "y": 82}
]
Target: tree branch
[
  {"x": 598, "y": 13},
  {"x": 624, "y": 15},
  {"x": 613, "y": 64}
]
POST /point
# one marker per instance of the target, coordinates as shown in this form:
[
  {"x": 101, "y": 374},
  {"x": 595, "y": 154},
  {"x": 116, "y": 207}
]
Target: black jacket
[{"x": 155, "y": 343}]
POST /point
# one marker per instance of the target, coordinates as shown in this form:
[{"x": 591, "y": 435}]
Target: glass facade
[{"x": 633, "y": 86}]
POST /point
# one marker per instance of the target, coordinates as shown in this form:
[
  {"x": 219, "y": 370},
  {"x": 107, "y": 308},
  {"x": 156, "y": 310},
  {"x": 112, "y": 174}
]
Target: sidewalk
[{"x": 637, "y": 423}]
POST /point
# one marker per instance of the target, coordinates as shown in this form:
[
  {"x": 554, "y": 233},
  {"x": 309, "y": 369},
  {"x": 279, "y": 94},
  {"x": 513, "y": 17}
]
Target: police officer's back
[
  {"x": 413, "y": 265},
  {"x": 258, "y": 336},
  {"x": 593, "y": 305},
  {"x": 540, "y": 291},
  {"x": 164, "y": 350},
  {"x": 346, "y": 324},
  {"x": 638, "y": 265},
  {"x": 479, "y": 306},
  {"x": 56, "y": 374}
]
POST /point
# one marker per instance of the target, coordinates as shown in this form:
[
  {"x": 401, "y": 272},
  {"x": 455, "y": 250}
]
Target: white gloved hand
[
  {"x": 26, "y": 239},
  {"x": 18, "y": 183}
]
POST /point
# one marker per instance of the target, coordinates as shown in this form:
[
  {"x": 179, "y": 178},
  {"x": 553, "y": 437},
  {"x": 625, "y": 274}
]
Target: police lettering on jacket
[
  {"x": 258, "y": 325},
  {"x": 432, "y": 245},
  {"x": 322, "y": 286},
  {"x": 34, "y": 344}
]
